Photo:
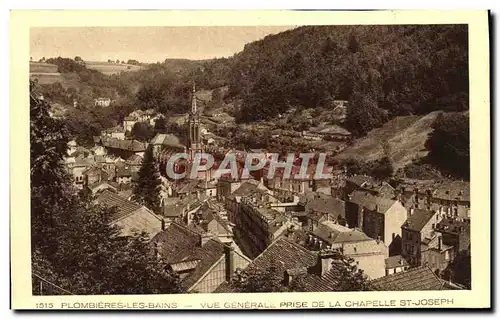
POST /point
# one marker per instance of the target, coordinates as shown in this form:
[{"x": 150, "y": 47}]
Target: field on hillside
[
  {"x": 406, "y": 136},
  {"x": 38, "y": 67},
  {"x": 111, "y": 68}
]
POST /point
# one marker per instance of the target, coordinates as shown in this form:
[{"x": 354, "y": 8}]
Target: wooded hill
[{"x": 401, "y": 69}]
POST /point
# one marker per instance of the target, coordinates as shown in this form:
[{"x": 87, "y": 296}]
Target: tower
[{"x": 194, "y": 138}]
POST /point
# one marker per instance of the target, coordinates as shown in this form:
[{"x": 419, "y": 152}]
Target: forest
[{"x": 382, "y": 71}]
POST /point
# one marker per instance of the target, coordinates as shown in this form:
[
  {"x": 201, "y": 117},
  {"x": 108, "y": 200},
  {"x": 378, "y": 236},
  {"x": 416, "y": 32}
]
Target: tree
[
  {"x": 160, "y": 125},
  {"x": 449, "y": 144},
  {"x": 143, "y": 132},
  {"x": 74, "y": 246},
  {"x": 117, "y": 61},
  {"x": 147, "y": 190},
  {"x": 78, "y": 59},
  {"x": 350, "y": 278},
  {"x": 48, "y": 146},
  {"x": 262, "y": 280},
  {"x": 363, "y": 115}
]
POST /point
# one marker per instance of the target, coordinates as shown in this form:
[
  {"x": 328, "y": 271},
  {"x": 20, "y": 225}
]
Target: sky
[{"x": 145, "y": 44}]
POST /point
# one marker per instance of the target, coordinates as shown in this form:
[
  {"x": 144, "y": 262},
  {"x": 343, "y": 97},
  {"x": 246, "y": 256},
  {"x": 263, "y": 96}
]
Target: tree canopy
[{"x": 74, "y": 245}]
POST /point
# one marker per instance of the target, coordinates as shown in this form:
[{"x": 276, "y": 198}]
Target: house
[
  {"x": 318, "y": 270},
  {"x": 435, "y": 254},
  {"x": 257, "y": 224},
  {"x": 455, "y": 233},
  {"x": 419, "y": 278},
  {"x": 94, "y": 175},
  {"x": 324, "y": 206},
  {"x": 395, "y": 264},
  {"x": 129, "y": 216},
  {"x": 142, "y": 116},
  {"x": 418, "y": 226},
  {"x": 207, "y": 218},
  {"x": 165, "y": 142},
  {"x": 123, "y": 175},
  {"x": 378, "y": 217},
  {"x": 117, "y": 132},
  {"x": 77, "y": 167},
  {"x": 356, "y": 182},
  {"x": 98, "y": 187},
  {"x": 330, "y": 132},
  {"x": 177, "y": 209},
  {"x": 201, "y": 262},
  {"x": 102, "y": 102},
  {"x": 369, "y": 254},
  {"x": 449, "y": 198},
  {"x": 134, "y": 162},
  {"x": 128, "y": 123},
  {"x": 120, "y": 148}
]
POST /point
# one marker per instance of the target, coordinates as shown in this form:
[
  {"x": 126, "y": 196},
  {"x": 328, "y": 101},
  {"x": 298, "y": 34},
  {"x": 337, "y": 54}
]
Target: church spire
[{"x": 193, "y": 100}]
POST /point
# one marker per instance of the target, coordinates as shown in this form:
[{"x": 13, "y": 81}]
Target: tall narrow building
[{"x": 194, "y": 138}]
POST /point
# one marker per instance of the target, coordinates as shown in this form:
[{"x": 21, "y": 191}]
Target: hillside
[
  {"x": 383, "y": 71},
  {"x": 111, "y": 68},
  {"x": 406, "y": 136}
]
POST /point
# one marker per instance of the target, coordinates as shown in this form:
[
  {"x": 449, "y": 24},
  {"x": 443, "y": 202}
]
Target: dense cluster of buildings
[{"x": 403, "y": 235}]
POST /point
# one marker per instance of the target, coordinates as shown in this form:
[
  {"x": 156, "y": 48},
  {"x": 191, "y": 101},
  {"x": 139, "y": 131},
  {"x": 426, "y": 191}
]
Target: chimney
[
  {"x": 412, "y": 210},
  {"x": 324, "y": 262},
  {"x": 163, "y": 227},
  {"x": 158, "y": 247},
  {"x": 401, "y": 262},
  {"x": 439, "y": 243},
  {"x": 229, "y": 257}
]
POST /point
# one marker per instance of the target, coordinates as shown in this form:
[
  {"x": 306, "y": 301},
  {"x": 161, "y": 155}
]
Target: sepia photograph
[{"x": 293, "y": 158}]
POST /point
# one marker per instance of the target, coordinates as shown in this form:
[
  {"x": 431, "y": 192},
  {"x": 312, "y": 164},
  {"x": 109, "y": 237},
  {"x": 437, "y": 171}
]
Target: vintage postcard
[{"x": 227, "y": 160}]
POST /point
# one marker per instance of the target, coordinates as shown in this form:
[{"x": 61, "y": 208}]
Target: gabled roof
[
  {"x": 420, "y": 278},
  {"x": 123, "y": 206},
  {"x": 208, "y": 255},
  {"x": 167, "y": 140},
  {"x": 128, "y": 145},
  {"x": 134, "y": 159},
  {"x": 418, "y": 219},
  {"x": 284, "y": 254},
  {"x": 176, "y": 242},
  {"x": 370, "y": 202},
  {"x": 395, "y": 261},
  {"x": 325, "y": 204},
  {"x": 359, "y": 180}
]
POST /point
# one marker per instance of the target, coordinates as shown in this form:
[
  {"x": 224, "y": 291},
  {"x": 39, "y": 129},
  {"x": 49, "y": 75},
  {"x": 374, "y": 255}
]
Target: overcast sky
[{"x": 145, "y": 44}]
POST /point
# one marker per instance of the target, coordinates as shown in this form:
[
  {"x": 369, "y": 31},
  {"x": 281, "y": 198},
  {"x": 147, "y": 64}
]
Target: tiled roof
[
  {"x": 418, "y": 219},
  {"x": 123, "y": 171},
  {"x": 96, "y": 185},
  {"x": 327, "y": 282},
  {"x": 284, "y": 254},
  {"x": 176, "y": 242},
  {"x": 352, "y": 236},
  {"x": 123, "y": 206},
  {"x": 370, "y": 202},
  {"x": 168, "y": 140},
  {"x": 359, "y": 180},
  {"x": 453, "y": 190},
  {"x": 395, "y": 261},
  {"x": 141, "y": 220},
  {"x": 134, "y": 160},
  {"x": 326, "y": 205},
  {"x": 450, "y": 225},
  {"x": 420, "y": 278},
  {"x": 127, "y": 145},
  {"x": 208, "y": 255}
]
